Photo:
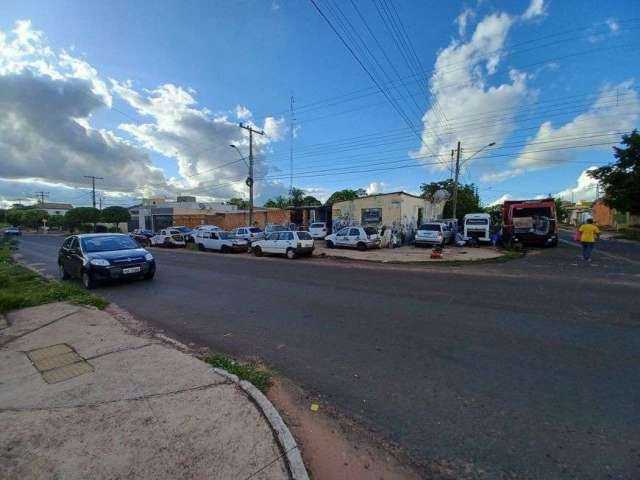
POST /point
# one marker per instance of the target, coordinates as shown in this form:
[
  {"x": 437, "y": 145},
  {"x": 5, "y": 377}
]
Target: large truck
[{"x": 530, "y": 222}]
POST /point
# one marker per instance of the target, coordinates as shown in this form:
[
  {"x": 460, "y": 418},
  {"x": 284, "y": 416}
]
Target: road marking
[{"x": 600, "y": 252}]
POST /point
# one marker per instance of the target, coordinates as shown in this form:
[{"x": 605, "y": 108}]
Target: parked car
[
  {"x": 289, "y": 243},
  {"x": 205, "y": 228},
  {"x": 433, "y": 233},
  {"x": 221, "y": 241},
  {"x": 186, "y": 232},
  {"x": 145, "y": 232},
  {"x": 248, "y": 233},
  {"x": 318, "y": 230},
  {"x": 12, "y": 232},
  {"x": 104, "y": 256},
  {"x": 168, "y": 237},
  {"x": 361, "y": 238},
  {"x": 143, "y": 240},
  {"x": 271, "y": 227}
]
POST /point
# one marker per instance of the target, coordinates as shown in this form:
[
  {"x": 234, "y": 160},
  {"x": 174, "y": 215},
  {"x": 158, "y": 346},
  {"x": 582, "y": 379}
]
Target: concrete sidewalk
[{"x": 82, "y": 398}]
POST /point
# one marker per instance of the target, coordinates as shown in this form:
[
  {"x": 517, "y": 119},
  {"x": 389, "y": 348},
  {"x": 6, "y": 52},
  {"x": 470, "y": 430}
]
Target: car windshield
[
  {"x": 477, "y": 221},
  {"x": 225, "y": 235},
  {"x": 317, "y": 225},
  {"x": 108, "y": 243},
  {"x": 254, "y": 230},
  {"x": 304, "y": 236},
  {"x": 431, "y": 227},
  {"x": 278, "y": 228},
  {"x": 370, "y": 231},
  {"x": 183, "y": 229}
]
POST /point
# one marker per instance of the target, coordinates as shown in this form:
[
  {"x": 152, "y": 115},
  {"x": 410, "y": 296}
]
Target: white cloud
[
  {"x": 585, "y": 188},
  {"x": 613, "y": 24},
  {"x": 500, "y": 200},
  {"x": 461, "y": 88},
  {"x": 243, "y": 113},
  {"x": 463, "y": 20},
  {"x": 536, "y": 9},
  {"x": 375, "y": 187}
]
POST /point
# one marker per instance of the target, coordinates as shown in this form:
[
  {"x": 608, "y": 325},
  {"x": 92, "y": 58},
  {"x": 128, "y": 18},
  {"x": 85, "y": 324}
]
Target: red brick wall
[
  {"x": 229, "y": 221},
  {"x": 602, "y": 215}
]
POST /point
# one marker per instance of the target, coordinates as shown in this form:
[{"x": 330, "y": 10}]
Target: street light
[
  {"x": 478, "y": 151},
  {"x": 248, "y": 181},
  {"x": 240, "y": 153}
]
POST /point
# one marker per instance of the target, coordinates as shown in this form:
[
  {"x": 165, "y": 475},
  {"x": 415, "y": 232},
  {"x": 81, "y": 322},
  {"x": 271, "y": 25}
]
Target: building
[
  {"x": 578, "y": 213},
  {"x": 158, "y": 213},
  {"x": 399, "y": 211},
  {"x": 609, "y": 217},
  {"x": 54, "y": 208}
]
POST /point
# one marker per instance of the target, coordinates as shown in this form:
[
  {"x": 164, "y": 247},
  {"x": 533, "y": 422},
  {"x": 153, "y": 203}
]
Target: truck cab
[{"x": 477, "y": 226}]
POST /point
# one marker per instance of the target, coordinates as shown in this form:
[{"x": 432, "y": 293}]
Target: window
[
  {"x": 254, "y": 230},
  {"x": 354, "y": 232},
  {"x": 272, "y": 236},
  {"x": 207, "y": 235},
  {"x": 304, "y": 236},
  {"x": 371, "y": 215},
  {"x": 67, "y": 243},
  {"x": 343, "y": 232},
  {"x": 477, "y": 221},
  {"x": 317, "y": 225},
  {"x": 431, "y": 227},
  {"x": 74, "y": 243},
  {"x": 285, "y": 236},
  {"x": 108, "y": 243},
  {"x": 370, "y": 231}
]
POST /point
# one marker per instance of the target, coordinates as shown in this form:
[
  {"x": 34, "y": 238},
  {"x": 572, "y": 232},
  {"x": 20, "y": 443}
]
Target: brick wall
[
  {"x": 602, "y": 215},
  {"x": 231, "y": 220}
]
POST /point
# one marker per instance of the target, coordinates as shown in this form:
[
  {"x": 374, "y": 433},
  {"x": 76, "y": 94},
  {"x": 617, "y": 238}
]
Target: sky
[{"x": 148, "y": 96}]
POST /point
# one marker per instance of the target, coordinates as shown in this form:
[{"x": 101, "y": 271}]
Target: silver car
[{"x": 433, "y": 234}]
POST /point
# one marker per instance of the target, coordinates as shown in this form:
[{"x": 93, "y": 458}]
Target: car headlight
[
  {"x": 148, "y": 257},
  {"x": 99, "y": 262}
]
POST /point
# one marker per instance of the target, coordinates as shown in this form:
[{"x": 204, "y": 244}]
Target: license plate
[{"x": 131, "y": 270}]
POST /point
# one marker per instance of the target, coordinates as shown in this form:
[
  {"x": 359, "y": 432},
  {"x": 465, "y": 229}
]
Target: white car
[
  {"x": 168, "y": 237},
  {"x": 433, "y": 233},
  {"x": 206, "y": 228},
  {"x": 361, "y": 238},
  {"x": 248, "y": 233},
  {"x": 289, "y": 243},
  {"x": 220, "y": 241},
  {"x": 318, "y": 230}
]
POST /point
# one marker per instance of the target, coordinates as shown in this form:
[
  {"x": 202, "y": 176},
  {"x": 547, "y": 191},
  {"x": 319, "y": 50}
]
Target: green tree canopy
[
  {"x": 296, "y": 197},
  {"x": 115, "y": 214},
  {"x": 277, "y": 202},
  {"x": 344, "y": 195},
  {"x": 241, "y": 203},
  {"x": 77, "y": 216},
  {"x": 468, "y": 200},
  {"x": 56, "y": 221},
  {"x": 311, "y": 201},
  {"x": 621, "y": 180},
  {"x": 32, "y": 218},
  {"x": 14, "y": 216}
]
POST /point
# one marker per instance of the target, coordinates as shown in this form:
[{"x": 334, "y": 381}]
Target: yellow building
[{"x": 397, "y": 210}]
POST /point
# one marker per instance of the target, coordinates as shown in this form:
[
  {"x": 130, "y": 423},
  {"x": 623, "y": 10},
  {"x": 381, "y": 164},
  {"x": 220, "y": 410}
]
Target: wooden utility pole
[
  {"x": 250, "y": 177},
  {"x": 454, "y": 200},
  {"x": 93, "y": 186}
]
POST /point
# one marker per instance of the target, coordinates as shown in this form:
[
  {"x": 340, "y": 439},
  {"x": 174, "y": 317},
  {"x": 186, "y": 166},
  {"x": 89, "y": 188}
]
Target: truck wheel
[
  {"x": 361, "y": 246},
  {"x": 257, "y": 251},
  {"x": 330, "y": 244},
  {"x": 291, "y": 253}
]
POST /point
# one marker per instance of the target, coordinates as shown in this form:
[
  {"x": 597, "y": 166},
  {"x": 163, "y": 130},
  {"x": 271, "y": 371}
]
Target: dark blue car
[{"x": 104, "y": 256}]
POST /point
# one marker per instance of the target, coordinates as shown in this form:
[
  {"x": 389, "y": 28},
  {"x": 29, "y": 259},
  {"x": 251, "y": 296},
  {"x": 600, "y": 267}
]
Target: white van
[{"x": 477, "y": 226}]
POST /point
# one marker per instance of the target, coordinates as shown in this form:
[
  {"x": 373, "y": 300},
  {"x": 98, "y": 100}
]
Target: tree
[
  {"x": 115, "y": 215},
  {"x": 468, "y": 200},
  {"x": 296, "y": 197},
  {"x": 311, "y": 201},
  {"x": 32, "y": 218},
  {"x": 561, "y": 210},
  {"x": 621, "y": 181},
  {"x": 14, "y": 216},
  {"x": 56, "y": 221},
  {"x": 81, "y": 215},
  {"x": 345, "y": 195},
  {"x": 278, "y": 202},
  {"x": 241, "y": 203},
  {"x": 495, "y": 211}
]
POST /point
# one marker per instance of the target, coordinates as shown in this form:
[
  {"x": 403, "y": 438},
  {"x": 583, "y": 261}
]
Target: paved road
[{"x": 528, "y": 369}]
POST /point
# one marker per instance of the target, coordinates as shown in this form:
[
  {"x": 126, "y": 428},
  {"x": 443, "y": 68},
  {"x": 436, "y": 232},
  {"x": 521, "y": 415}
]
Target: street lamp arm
[
  {"x": 477, "y": 152},
  {"x": 240, "y": 153}
]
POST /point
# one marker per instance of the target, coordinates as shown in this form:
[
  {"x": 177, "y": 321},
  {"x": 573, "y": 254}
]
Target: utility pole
[
  {"x": 93, "y": 186},
  {"x": 455, "y": 184},
  {"x": 292, "y": 121},
  {"x": 42, "y": 195},
  {"x": 250, "y": 177}
]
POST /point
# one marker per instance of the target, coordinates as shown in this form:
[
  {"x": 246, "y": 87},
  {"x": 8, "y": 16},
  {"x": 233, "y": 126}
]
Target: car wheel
[
  {"x": 201, "y": 247},
  {"x": 361, "y": 246},
  {"x": 257, "y": 251},
  {"x": 167, "y": 243},
  {"x": 330, "y": 244},
  {"x": 87, "y": 281},
  {"x": 63, "y": 272},
  {"x": 224, "y": 249},
  {"x": 291, "y": 253}
]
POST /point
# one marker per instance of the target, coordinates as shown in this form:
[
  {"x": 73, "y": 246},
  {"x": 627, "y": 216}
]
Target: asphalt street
[{"x": 525, "y": 369}]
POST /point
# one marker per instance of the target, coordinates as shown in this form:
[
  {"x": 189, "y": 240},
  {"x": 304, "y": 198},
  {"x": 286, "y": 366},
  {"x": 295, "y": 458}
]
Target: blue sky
[{"x": 147, "y": 95}]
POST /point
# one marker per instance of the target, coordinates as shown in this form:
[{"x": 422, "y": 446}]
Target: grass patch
[
  {"x": 250, "y": 372},
  {"x": 21, "y": 288},
  {"x": 192, "y": 246}
]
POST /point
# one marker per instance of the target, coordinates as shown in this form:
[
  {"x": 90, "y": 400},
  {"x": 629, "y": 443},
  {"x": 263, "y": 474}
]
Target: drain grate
[{"x": 58, "y": 363}]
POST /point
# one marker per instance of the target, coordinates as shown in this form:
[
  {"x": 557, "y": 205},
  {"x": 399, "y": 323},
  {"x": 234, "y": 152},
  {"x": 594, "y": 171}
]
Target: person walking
[{"x": 588, "y": 235}]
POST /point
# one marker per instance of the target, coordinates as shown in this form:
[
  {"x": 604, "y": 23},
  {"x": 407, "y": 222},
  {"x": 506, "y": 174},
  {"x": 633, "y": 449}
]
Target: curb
[{"x": 288, "y": 445}]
